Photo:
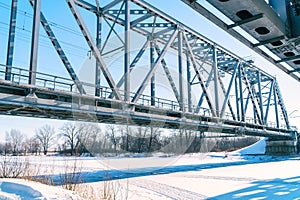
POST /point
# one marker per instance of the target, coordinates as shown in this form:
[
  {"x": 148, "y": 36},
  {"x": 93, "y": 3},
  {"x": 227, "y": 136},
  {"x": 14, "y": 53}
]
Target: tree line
[{"x": 82, "y": 138}]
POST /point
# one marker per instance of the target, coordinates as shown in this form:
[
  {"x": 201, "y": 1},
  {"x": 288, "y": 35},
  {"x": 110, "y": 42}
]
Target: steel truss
[{"x": 210, "y": 81}]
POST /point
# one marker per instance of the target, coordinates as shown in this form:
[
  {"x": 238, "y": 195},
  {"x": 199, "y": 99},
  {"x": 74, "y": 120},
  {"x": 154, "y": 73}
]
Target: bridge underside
[
  {"x": 209, "y": 88},
  {"x": 28, "y": 101},
  {"x": 273, "y": 25}
]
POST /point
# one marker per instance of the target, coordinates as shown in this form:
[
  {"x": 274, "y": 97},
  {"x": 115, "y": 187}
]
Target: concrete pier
[{"x": 281, "y": 147}]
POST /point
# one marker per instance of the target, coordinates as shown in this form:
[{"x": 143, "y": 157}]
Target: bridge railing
[
  {"x": 52, "y": 82},
  {"x": 56, "y": 83}
]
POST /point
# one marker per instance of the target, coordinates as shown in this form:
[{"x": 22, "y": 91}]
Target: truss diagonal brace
[
  {"x": 281, "y": 104},
  {"x": 228, "y": 101},
  {"x": 168, "y": 74},
  {"x": 11, "y": 39},
  {"x": 228, "y": 90},
  {"x": 269, "y": 101},
  {"x": 94, "y": 48},
  {"x": 203, "y": 94},
  {"x": 60, "y": 52},
  {"x": 203, "y": 86},
  {"x": 86, "y": 6},
  {"x": 133, "y": 64},
  {"x": 153, "y": 69},
  {"x": 251, "y": 95}
]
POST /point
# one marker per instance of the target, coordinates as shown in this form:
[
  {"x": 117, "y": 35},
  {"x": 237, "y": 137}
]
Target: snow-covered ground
[
  {"x": 12, "y": 189},
  {"x": 193, "y": 176}
]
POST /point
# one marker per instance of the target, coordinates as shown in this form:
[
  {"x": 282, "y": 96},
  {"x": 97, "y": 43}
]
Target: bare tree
[
  {"x": 154, "y": 143},
  {"x": 34, "y": 145},
  {"x": 14, "y": 138},
  {"x": 125, "y": 136},
  {"x": 87, "y": 137},
  {"x": 45, "y": 136},
  {"x": 111, "y": 133},
  {"x": 71, "y": 133}
]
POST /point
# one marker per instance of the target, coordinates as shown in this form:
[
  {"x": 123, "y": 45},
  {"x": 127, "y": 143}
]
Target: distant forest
[{"x": 90, "y": 139}]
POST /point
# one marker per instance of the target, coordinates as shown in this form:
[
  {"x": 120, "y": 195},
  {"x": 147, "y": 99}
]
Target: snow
[
  {"x": 258, "y": 148},
  {"x": 243, "y": 174},
  {"x": 17, "y": 189}
]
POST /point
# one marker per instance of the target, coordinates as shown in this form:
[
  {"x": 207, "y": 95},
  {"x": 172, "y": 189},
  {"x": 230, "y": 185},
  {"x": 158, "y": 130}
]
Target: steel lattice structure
[{"x": 212, "y": 89}]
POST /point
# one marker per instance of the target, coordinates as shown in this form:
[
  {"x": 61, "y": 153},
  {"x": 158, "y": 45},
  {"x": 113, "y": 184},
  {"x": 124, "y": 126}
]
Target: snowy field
[{"x": 192, "y": 176}]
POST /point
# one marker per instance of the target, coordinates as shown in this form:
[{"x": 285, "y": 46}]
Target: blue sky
[{"x": 59, "y": 13}]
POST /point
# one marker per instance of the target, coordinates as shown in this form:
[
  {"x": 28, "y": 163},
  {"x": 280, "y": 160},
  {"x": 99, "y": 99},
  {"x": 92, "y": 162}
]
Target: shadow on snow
[
  {"x": 104, "y": 175},
  {"x": 287, "y": 188}
]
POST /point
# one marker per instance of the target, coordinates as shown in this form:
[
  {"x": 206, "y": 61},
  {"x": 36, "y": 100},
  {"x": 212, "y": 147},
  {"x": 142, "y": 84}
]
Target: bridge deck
[{"x": 16, "y": 99}]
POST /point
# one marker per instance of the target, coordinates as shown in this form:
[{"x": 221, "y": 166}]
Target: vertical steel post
[
  {"x": 34, "y": 42},
  {"x": 269, "y": 102},
  {"x": 127, "y": 52},
  {"x": 241, "y": 93},
  {"x": 11, "y": 39},
  {"x": 98, "y": 43},
  {"x": 216, "y": 77},
  {"x": 152, "y": 85},
  {"x": 189, "y": 88},
  {"x": 260, "y": 97},
  {"x": 180, "y": 71},
  {"x": 254, "y": 115},
  {"x": 226, "y": 99},
  {"x": 237, "y": 97},
  {"x": 276, "y": 106}
]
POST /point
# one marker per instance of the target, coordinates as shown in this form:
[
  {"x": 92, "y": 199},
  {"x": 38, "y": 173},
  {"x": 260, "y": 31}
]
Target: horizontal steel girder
[{"x": 67, "y": 106}]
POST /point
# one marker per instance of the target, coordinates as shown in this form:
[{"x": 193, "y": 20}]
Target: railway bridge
[{"x": 146, "y": 68}]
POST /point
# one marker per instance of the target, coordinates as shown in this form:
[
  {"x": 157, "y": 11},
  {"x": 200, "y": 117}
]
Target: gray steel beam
[
  {"x": 158, "y": 25},
  {"x": 250, "y": 19},
  {"x": 216, "y": 78},
  {"x": 110, "y": 5},
  {"x": 34, "y": 42},
  {"x": 203, "y": 94},
  {"x": 282, "y": 106},
  {"x": 269, "y": 41},
  {"x": 269, "y": 102},
  {"x": 260, "y": 95},
  {"x": 152, "y": 71},
  {"x": 289, "y": 59},
  {"x": 276, "y": 105},
  {"x": 87, "y": 6},
  {"x": 295, "y": 70},
  {"x": 168, "y": 74},
  {"x": 11, "y": 39},
  {"x": 180, "y": 70},
  {"x": 152, "y": 84},
  {"x": 127, "y": 52},
  {"x": 203, "y": 86},
  {"x": 140, "y": 19},
  {"x": 112, "y": 28},
  {"x": 237, "y": 97},
  {"x": 164, "y": 31},
  {"x": 60, "y": 51},
  {"x": 228, "y": 102},
  {"x": 132, "y": 12},
  {"x": 209, "y": 15},
  {"x": 139, "y": 55},
  {"x": 94, "y": 48},
  {"x": 241, "y": 92},
  {"x": 247, "y": 103},
  {"x": 133, "y": 64},
  {"x": 189, "y": 87},
  {"x": 228, "y": 91},
  {"x": 98, "y": 5},
  {"x": 248, "y": 86},
  {"x": 99, "y": 44}
]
